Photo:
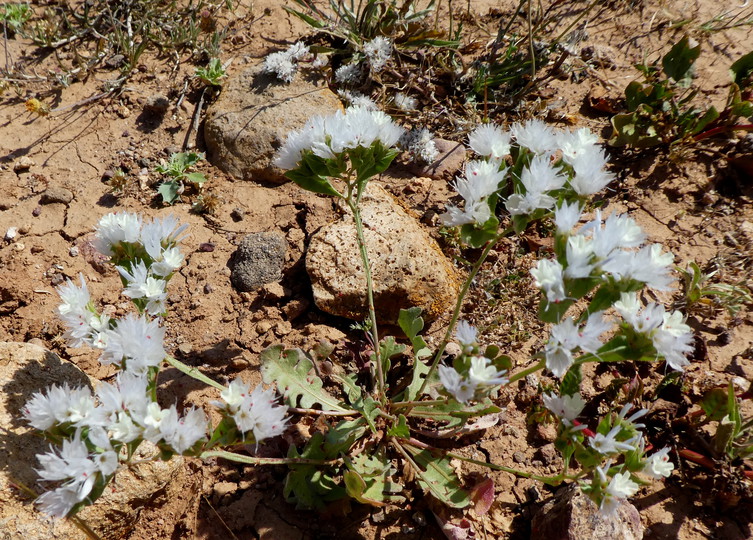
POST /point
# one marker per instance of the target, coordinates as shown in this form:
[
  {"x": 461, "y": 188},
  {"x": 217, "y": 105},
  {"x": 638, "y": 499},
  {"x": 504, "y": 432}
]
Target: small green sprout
[
  {"x": 699, "y": 295},
  {"x": 212, "y": 73},
  {"x": 14, "y": 16},
  {"x": 177, "y": 171}
]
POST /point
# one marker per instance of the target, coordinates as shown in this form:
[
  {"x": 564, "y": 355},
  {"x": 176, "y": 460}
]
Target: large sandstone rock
[
  {"x": 571, "y": 515},
  {"x": 407, "y": 265},
  {"x": 254, "y": 114},
  {"x": 25, "y": 369}
]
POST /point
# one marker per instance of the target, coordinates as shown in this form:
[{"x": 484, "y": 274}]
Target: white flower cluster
[
  {"x": 255, "y": 411},
  {"x": 419, "y": 143},
  {"x": 624, "y": 436},
  {"x": 601, "y": 248},
  {"x": 329, "y": 136},
  {"x": 378, "y": 52},
  {"x": 348, "y": 73},
  {"x": 481, "y": 376},
  {"x": 284, "y": 64},
  {"x": 405, "y": 102},
  {"x": 119, "y": 414},
  {"x": 671, "y": 337},
  {"x": 481, "y": 180},
  {"x": 356, "y": 99},
  {"x": 560, "y": 159},
  {"x": 156, "y": 243}
]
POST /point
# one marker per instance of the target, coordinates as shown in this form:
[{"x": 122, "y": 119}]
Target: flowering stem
[
  {"x": 296, "y": 410},
  {"x": 193, "y": 372},
  {"x": 458, "y": 305},
  {"x": 549, "y": 480},
  {"x": 353, "y": 205},
  {"x": 541, "y": 364},
  {"x": 240, "y": 458}
]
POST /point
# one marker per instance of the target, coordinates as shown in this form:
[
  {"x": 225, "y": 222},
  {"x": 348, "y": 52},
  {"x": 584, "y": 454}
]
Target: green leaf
[
  {"x": 368, "y": 481},
  {"x": 570, "y": 384},
  {"x": 552, "y": 312},
  {"x": 170, "y": 191},
  {"x": 293, "y": 373},
  {"x": 311, "y": 486},
  {"x": 715, "y": 404},
  {"x": 341, "y": 437},
  {"x": 452, "y": 412},
  {"x": 306, "y": 179},
  {"x": 400, "y": 430},
  {"x": 196, "y": 178},
  {"x": 477, "y": 237},
  {"x": 305, "y": 18},
  {"x": 628, "y": 130},
  {"x": 678, "y": 62},
  {"x": 388, "y": 349},
  {"x": 742, "y": 69},
  {"x": 709, "y": 116},
  {"x": 419, "y": 374},
  {"x": 436, "y": 475}
]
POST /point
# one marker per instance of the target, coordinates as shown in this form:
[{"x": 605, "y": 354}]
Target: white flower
[
  {"x": 83, "y": 324},
  {"x": 283, "y": 64},
  {"x": 536, "y": 136},
  {"x": 74, "y": 466},
  {"x": 579, "y": 254},
  {"x": 481, "y": 180},
  {"x": 405, "y": 102},
  {"x": 320, "y": 60},
  {"x": 61, "y": 405},
  {"x": 161, "y": 233},
  {"x": 419, "y": 143},
  {"x": 135, "y": 341},
  {"x": 590, "y": 175},
  {"x": 620, "y": 487},
  {"x": 378, "y": 52},
  {"x": 259, "y": 413},
  {"x": 466, "y": 335},
  {"x": 549, "y": 277},
  {"x": 566, "y": 216},
  {"x": 127, "y": 395},
  {"x": 647, "y": 265},
  {"x": 106, "y": 459},
  {"x": 658, "y": 465},
  {"x": 142, "y": 285},
  {"x": 348, "y": 74},
  {"x": 567, "y": 336},
  {"x": 123, "y": 428},
  {"x": 171, "y": 260},
  {"x": 460, "y": 388},
  {"x": 182, "y": 433},
  {"x": 490, "y": 141},
  {"x": 483, "y": 373},
  {"x": 331, "y": 135},
  {"x": 608, "y": 444},
  {"x": 521, "y": 205},
  {"x": 619, "y": 231},
  {"x": 566, "y": 408},
  {"x": 575, "y": 143},
  {"x": 233, "y": 395},
  {"x": 59, "y": 502},
  {"x": 540, "y": 176},
  {"x": 115, "y": 228}
]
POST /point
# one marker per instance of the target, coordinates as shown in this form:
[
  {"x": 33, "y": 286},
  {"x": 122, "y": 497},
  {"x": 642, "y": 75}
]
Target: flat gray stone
[{"x": 254, "y": 114}]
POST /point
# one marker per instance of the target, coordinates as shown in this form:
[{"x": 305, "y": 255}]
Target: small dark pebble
[
  {"x": 519, "y": 457},
  {"x": 237, "y": 214},
  {"x": 145, "y": 162},
  {"x": 108, "y": 175},
  {"x": 206, "y": 247},
  {"x": 208, "y": 289},
  {"x": 37, "y": 211},
  {"x": 170, "y": 150},
  {"x": 57, "y": 279},
  {"x": 126, "y": 133}
]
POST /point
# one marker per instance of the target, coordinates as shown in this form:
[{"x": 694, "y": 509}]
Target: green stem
[
  {"x": 456, "y": 312},
  {"x": 193, "y": 372},
  {"x": 353, "y": 205},
  {"x": 240, "y": 458},
  {"x": 397, "y": 405},
  {"x": 549, "y": 480},
  {"x": 541, "y": 364}
]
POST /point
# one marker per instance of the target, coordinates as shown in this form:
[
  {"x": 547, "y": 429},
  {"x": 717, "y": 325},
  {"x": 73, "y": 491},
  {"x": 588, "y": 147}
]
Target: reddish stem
[
  {"x": 695, "y": 457},
  {"x": 587, "y": 432},
  {"x": 722, "y": 129}
]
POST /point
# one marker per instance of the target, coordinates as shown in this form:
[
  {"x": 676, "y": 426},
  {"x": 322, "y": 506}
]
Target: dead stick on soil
[{"x": 194, "y": 122}]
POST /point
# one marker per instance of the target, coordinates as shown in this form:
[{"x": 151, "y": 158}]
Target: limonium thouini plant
[
  {"x": 590, "y": 297},
  {"x": 98, "y": 432}
]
